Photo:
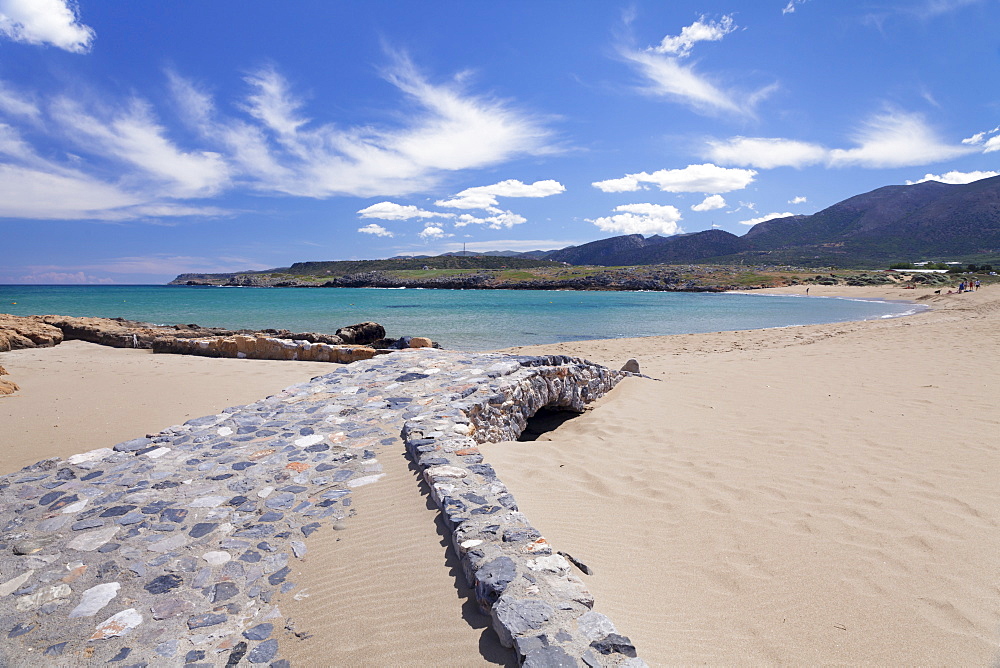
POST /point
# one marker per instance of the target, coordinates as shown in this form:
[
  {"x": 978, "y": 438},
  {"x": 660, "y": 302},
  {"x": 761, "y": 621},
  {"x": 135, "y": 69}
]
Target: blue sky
[{"x": 139, "y": 140}]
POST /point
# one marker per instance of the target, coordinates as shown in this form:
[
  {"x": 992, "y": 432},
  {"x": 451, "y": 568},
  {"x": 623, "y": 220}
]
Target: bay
[{"x": 458, "y": 319}]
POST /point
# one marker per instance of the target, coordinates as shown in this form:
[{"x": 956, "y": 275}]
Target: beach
[{"x": 818, "y": 494}]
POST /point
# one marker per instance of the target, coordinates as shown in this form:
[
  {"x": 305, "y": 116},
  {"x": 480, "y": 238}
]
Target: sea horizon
[{"x": 473, "y": 320}]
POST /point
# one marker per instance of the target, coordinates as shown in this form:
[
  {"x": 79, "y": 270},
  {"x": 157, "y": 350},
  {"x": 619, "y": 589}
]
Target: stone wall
[
  {"x": 265, "y": 348},
  {"x": 538, "y": 605}
]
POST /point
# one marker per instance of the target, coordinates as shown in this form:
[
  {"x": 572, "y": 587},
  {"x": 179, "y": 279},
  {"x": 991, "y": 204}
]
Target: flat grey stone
[{"x": 95, "y": 598}]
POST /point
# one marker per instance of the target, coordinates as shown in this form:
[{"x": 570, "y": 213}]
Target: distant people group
[{"x": 968, "y": 286}]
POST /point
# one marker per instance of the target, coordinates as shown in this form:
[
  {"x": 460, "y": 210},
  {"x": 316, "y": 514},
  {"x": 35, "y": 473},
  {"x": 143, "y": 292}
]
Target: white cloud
[
  {"x": 798, "y": 200},
  {"x": 485, "y": 197},
  {"x": 790, "y": 7},
  {"x": 499, "y": 220},
  {"x": 393, "y": 211},
  {"x": 668, "y": 76},
  {"x": 128, "y": 164},
  {"x": 706, "y": 178},
  {"x": 433, "y": 232},
  {"x": 134, "y": 136},
  {"x": 641, "y": 219},
  {"x": 699, "y": 31},
  {"x": 45, "y": 22},
  {"x": 992, "y": 144},
  {"x": 710, "y": 203},
  {"x": 765, "y": 218},
  {"x": 376, "y": 230},
  {"x": 283, "y": 151},
  {"x": 888, "y": 139},
  {"x": 765, "y": 152},
  {"x": 953, "y": 177},
  {"x": 896, "y": 139}
]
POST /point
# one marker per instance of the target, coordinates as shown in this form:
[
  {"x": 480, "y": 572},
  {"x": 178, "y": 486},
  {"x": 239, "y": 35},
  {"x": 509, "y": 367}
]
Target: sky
[{"x": 141, "y": 140}]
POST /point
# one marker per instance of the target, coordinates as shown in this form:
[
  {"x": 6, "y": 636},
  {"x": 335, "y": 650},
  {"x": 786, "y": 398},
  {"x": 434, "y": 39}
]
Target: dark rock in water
[{"x": 362, "y": 333}]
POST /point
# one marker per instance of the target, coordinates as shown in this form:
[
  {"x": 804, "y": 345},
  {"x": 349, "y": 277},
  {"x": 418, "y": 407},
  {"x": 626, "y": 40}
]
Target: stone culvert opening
[{"x": 546, "y": 420}]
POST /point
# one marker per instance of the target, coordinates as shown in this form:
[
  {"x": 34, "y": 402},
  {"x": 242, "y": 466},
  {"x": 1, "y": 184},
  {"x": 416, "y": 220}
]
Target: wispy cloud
[
  {"x": 668, "y": 74},
  {"x": 791, "y": 6},
  {"x": 888, "y": 139},
  {"x": 641, "y": 218},
  {"x": 41, "y": 22},
  {"x": 799, "y": 199},
  {"x": 706, "y": 178}
]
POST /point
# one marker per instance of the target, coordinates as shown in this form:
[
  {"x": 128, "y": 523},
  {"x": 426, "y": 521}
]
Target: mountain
[{"x": 929, "y": 220}]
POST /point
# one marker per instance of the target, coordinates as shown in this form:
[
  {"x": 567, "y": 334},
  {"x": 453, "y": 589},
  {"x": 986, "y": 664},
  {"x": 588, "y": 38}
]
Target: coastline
[{"x": 759, "y": 514}]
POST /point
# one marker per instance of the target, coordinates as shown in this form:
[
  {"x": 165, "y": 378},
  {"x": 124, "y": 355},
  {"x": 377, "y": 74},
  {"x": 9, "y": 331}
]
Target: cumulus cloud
[
  {"x": 765, "y": 218},
  {"x": 706, "y": 178},
  {"x": 667, "y": 74},
  {"x": 375, "y": 230},
  {"x": 485, "y": 197},
  {"x": 497, "y": 221},
  {"x": 888, "y": 139},
  {"x": 40, "y": 22},
  {"x": 641, "y": 219},
  {"x": 433, "y": 232},
  {"x": 393, "y": 211},
  {"x": 765, "y": 152},
  {"x": 699, "y": 31},
  {"x": 710, "y": 203},
  {"x": 799, "y": 199},
  {"x": 958, "y": 178}
]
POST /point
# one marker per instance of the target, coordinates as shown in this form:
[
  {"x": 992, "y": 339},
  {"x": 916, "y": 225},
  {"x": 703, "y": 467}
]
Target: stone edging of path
[{"x": 537, "y": 604}]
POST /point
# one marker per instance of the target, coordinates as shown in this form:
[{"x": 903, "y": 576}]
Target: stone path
[{"x": 170, "y": 550}]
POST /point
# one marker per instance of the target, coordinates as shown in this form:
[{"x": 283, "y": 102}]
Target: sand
[
  {"x": 79, "y": 396},
  {"x": 820, "y": 494}
]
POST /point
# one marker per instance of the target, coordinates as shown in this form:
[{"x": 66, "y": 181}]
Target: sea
[{"x": 473, "y": 320}]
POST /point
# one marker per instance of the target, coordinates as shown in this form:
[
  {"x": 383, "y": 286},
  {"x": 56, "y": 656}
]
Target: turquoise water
[{"x": 458, "y": 319}]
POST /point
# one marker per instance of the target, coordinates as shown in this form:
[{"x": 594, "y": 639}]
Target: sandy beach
[{"x": 821, "y": 494}]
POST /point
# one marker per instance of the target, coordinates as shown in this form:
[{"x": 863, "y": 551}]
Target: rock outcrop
[
  {"x": 7, "y": 386},
  {"x": 265, "y": 348},
  {"x": 364, "y": 333},
  {"x": 18, "y": 332}
]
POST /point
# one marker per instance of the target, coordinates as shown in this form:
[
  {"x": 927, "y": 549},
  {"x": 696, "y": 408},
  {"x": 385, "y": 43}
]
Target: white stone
[
  {"x": 117, "y": 625},
  {"x": 225, "y": 431},
  {"x": 207, "y": 502},
  {"x": 157, "y": 453},
  {"x": 43, "y": 596},
  {"x": 444, "y": 471},
  {"x": 471, "y": 543},
  {"x": 553, "y": 563},
  {"x": 306, "y": 441},
  {"x": 75, "y": 507},
  {"x": 95, "y": 598},
  {"x": 350, "y": 390},
  {"x": 265, "y": 492},
  {"x": 87, "y": 542},
  {"x": 364, "y": 480},
  {"x": 462, "y": 428},
  {"x": 93, "y": 455},
  {"x": 12, "y": 585},
  {"x": 217, "y": 557}
]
